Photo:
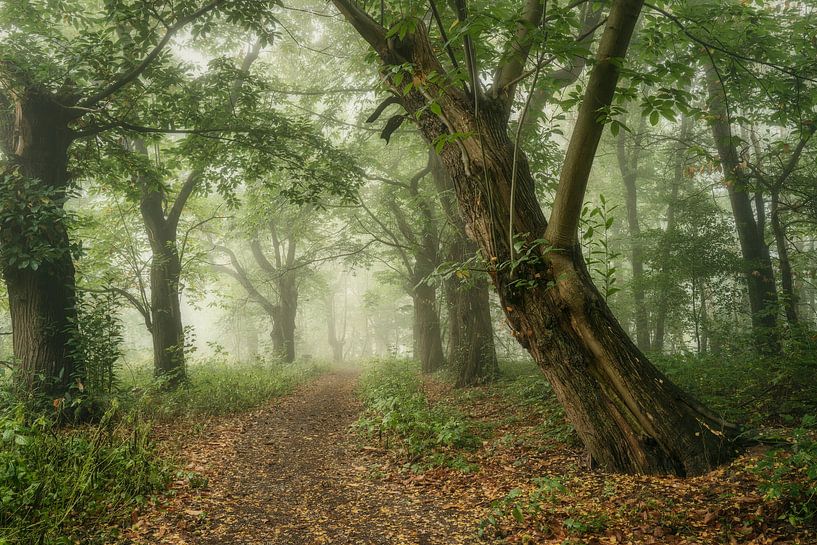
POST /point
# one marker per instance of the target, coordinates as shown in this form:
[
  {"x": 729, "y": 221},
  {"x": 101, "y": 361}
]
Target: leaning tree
[{"x": 629, "y": 415}]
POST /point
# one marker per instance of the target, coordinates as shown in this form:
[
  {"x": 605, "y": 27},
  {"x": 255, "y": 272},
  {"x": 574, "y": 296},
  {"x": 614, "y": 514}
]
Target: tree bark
[
  {"x": 336, "y": 342},
  {"x": 786, "y": 275},
  {"x": 757, "y": 266},
  {"x": 428, "y": 343},
  {"x": 630, "y": 417},
  {"x": 628, "y": 165},
  {"x": 41, "y": 301},
  {"x": 165, "y": 300},
  {"x": 288, "y": 311},
  {"x": 471, "y": 349}
]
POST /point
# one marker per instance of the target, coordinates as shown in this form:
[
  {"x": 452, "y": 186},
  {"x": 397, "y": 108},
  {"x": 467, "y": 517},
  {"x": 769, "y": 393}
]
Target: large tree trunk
[
  {"x": 757, "y": 266},
  {"x": 165, "y": 305},
  {"x": 628, "y": 165},
  {"x": 428, "y": 343},
  {"x": 41, "y": 296},
  {"x": 630, "y": 416}
]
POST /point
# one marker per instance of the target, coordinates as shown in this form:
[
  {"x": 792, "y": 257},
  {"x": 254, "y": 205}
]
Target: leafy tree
[
  {"x": 630, "y": 417},
  {"x": 67, "y": 71}
]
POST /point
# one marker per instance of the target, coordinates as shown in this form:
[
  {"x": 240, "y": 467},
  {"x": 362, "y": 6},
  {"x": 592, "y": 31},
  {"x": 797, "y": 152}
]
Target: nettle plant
[{"x": 596, "y": 225}]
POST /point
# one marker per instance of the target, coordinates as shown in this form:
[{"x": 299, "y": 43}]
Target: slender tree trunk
[
  {"x": 628, "y": 165},
  {"x": 757, "y": 267},
  {"x": 336, "y": 342},
  {"x": 165, "y": 300},
  {"x": 288, "y": 303},
  {"x": 630, "y": 416},
  {"x": 41, "y": 297},
  {"x": 664, "y": 280},
  {"x": 428, "y": 343},
  {"x": 786, "y": 276}
]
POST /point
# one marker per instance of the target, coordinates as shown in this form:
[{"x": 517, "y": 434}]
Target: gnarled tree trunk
[{"x": 629, "y": 415}]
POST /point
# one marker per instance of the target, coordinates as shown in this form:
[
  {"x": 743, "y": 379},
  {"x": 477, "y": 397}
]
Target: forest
[{"x": 408, "y": 272}]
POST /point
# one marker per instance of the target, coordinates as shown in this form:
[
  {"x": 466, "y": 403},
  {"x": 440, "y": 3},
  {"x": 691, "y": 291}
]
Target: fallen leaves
[{"x": 294, "y": 473}]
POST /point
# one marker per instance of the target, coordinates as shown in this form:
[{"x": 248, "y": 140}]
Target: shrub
[
  {"x": 790, "y": 476},
  {"x": 216, "y": 387},
  {"x": 400, "y": 415}
]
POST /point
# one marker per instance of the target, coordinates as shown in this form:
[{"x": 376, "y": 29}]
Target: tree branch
[
  {"x": 562, "y": 229},
  {"x": 518, "y": 49},
  {"x": 134, "y": 73},
  {"x": 368, "y": 28}
]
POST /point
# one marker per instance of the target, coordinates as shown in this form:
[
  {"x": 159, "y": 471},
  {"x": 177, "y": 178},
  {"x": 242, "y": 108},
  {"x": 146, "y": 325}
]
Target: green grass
[
  {"x": 67, "y": 485},
  {"x": 400, "y": 415},
  {"x": 61, "y": 486},
  {"x": 216, "y": 387}
]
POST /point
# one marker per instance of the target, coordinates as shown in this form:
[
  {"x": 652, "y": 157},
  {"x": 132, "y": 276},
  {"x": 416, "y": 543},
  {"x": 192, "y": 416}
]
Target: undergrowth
[
  {"x": 80, "y": 484},
  {"x": 216, "y": 387},
  {"x": 398, "y": 413},
  {"x": 61, "y": 486}
]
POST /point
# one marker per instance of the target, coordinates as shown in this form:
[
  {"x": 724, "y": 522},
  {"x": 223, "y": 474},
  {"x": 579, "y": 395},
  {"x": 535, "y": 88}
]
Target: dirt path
[{"x": 292, "y": 473}]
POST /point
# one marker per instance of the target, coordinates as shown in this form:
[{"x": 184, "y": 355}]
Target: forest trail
[{"x": 293, "y": 473}]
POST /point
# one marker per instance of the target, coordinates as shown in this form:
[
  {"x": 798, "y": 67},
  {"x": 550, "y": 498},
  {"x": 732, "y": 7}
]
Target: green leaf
[
  {"x": 517, "y": 514},
  {"x": 654, "y": 117}
]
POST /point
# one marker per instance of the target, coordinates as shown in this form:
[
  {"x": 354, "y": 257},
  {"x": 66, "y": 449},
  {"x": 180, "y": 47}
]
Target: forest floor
[{"x": 296, "y": 472}]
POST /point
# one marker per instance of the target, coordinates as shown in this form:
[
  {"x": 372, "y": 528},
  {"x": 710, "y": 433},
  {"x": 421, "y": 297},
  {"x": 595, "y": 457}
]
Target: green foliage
[
  {"x": 98, "y": 342},
  {"x": 216, "y": 387},
  {"x": 790, "y": 476},
  {"x": 596, "y": 222},
  {"x": 744, "y": 386},
  {"x": 523, "y": 505},
  {"x": 63, "y": 486},
  {"x": 399, "y": 414},
  {"x": 29, "y": 213}
]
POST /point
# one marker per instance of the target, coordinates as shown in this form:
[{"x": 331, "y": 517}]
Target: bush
[
  {"x": 748, "y": 387},
  {"x": 790, "y": 476},
  {"x": 73, "y": 486},
  {"x": 399, "y": 414}
]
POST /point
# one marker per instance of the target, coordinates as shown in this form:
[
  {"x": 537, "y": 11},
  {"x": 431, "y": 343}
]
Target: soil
[{"x": 295, "y": 473}]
